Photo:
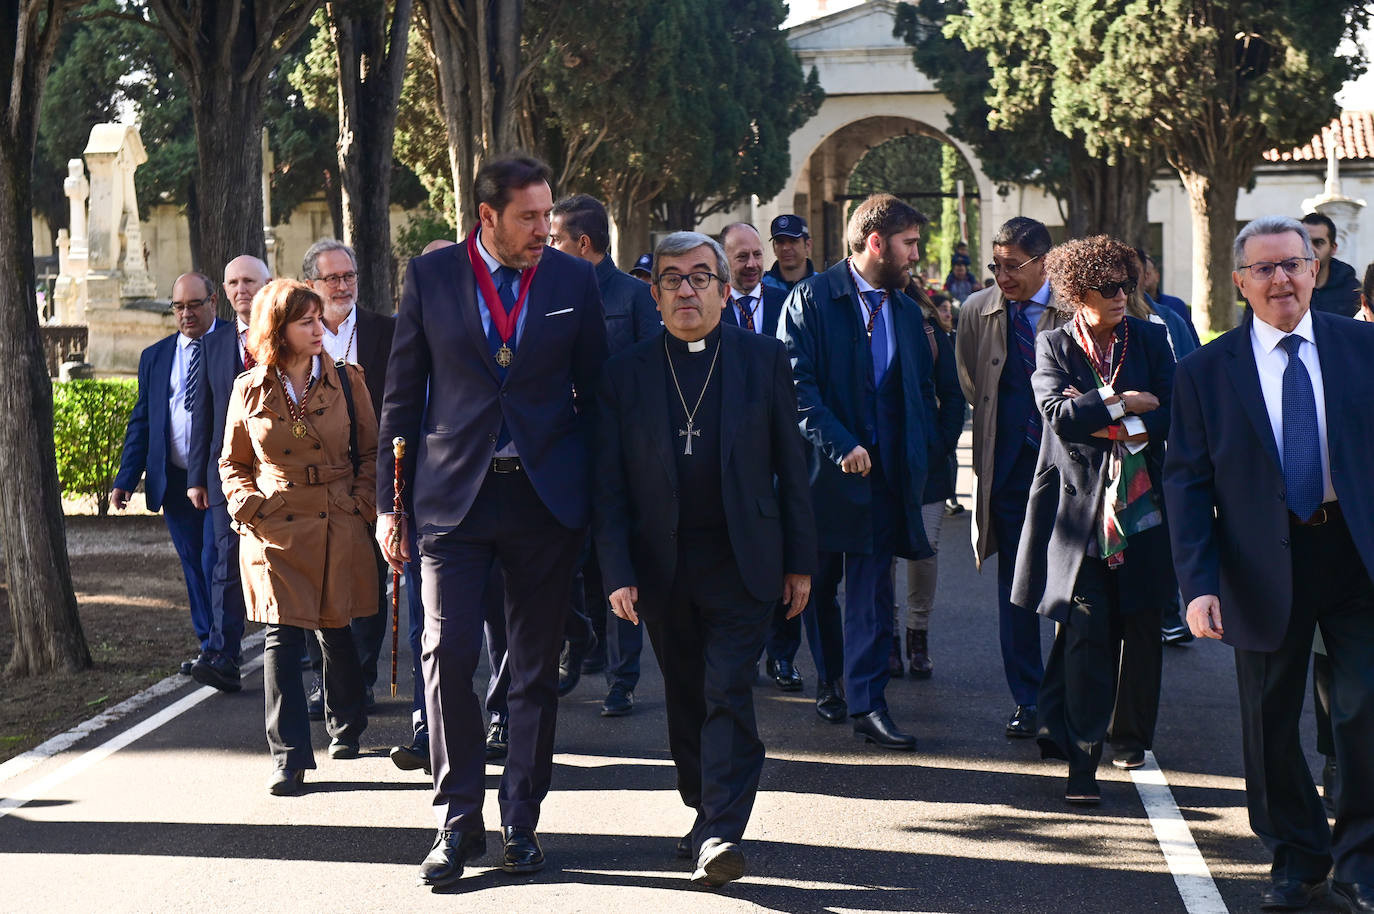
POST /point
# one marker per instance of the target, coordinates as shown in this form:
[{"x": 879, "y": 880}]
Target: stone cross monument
[
  {"x": 69, "y": 295},
  {"x": 1342, "y": 210}
]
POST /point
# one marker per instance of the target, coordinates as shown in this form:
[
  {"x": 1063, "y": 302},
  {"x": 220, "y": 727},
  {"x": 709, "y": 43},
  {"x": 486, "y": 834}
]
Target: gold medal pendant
[
  {"x": 503, "y": 356},
  {"x": 298, "y": 428}
]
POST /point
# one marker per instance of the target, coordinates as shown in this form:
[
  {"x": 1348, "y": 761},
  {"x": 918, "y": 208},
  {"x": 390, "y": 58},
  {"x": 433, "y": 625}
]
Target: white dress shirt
[
  {"x": 864, "y": 312},
  {"x": 757, "y": 294},
  {"x": 243, "y": 339},
  {"x": 176, "y": 400},
  {"x": 344, "y": 343},
  {"x": 1271, "y": 360}
]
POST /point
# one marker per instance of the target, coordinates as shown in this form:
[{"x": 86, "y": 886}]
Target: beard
[{"x": 893, "y": 272}]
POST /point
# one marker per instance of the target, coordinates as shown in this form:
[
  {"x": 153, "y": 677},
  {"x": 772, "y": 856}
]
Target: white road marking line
[
  {"x": 1190, "y": 872},
  {"x": 108, "y": 748}
]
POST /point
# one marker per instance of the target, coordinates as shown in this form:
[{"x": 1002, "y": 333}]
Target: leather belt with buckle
[
  {"x": 1323, "y": 515},
  {"x": 505, "y": 465}
]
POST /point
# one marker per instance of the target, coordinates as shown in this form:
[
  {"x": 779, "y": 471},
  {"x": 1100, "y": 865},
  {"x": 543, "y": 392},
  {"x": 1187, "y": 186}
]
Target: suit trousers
[
  {"x": 1140, "y": 676},
  {"x": 193, "y": 537},
  {"x": 1019, "y": 629},
  {"x": 369, "y": 632},
  {"x": 707, "y": 635},
  {"x": 1332, "y": 591},
  {"x": 507, "y": 523},
  {"x": 921, "y": 574},
  {"x": 227, "y": 610},
  {"x": 288, "y": 725},
  {"x": 494, "y": 632}
]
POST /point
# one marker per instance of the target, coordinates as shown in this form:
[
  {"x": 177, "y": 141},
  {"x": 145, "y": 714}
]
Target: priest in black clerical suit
[{"x": 694, "y": 425}]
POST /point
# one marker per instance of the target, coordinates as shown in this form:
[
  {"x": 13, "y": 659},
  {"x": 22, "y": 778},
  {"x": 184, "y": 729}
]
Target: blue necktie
[
  {"x": 1024, "y": 335},
  {"x": 1302, "y": 456},
  {"x": 877, "y": 341},
  {"x": 192, "y": 376}
]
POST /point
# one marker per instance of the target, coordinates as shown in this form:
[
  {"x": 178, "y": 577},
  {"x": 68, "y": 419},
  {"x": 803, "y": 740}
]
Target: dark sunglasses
[{"x": 1109, "y": 289}]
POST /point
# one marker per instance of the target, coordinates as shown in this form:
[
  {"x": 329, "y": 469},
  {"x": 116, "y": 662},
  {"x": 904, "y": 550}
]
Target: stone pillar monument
[
  {"x": 69, "y": 295},
  {"x": 1342, "y": 210}
]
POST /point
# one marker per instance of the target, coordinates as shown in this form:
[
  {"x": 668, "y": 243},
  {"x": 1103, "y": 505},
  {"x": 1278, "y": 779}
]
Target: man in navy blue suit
[
  {"x": 499, "y": 343},
  {"x": 157, "y": 447},
  {"x": 866, "y": 397},
  {"x": 755, "y": 305},
  {"x": 224, "y": 358},
  {"x": 1271, "y": 514}
]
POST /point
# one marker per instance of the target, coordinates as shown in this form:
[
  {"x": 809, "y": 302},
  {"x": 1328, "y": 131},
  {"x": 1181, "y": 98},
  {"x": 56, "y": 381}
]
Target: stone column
[{"x": 69, "y": 294}]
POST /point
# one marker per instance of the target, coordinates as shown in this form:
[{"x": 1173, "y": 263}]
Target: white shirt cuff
[
  {"x": 1115, "y": 410},
  {"x": 1134, "y": 426}
]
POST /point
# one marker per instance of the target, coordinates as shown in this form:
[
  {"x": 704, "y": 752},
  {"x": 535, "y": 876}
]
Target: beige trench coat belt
[{"x": 306, "y": 476}]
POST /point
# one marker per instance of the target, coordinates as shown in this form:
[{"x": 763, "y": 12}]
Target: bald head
[
  {"x": 243, "y": 277},
  {"x": 438, "y": 244},
  {"x": 193, "y": 304}
]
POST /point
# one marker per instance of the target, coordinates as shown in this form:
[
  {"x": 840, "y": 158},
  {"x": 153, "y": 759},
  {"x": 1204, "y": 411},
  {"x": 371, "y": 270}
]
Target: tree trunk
[
  {"x": 333, "y": 198},
  {"x": 43, "y": 606},
  {"x": 228, "y": 116},
  {"x": 370, "y": 76},
  {"x": 1107, "y": 199},
  {"x": 226, "y": 310},
  {"x": 1212, "y": 201},
  {"x": 632, "y": 230}
]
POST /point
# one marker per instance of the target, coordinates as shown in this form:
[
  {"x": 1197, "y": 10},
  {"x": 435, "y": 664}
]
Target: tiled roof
[{"x": 1353, "y": 134}]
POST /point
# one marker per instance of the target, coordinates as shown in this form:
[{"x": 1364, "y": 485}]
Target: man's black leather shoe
[
  {"x": 286, "y": 782},
  {"x": 1290, "y": 894},
  {"x": 720, "y": 862},
  {"x": 683, "y": 851},
  {"x": 1129, "y": 759},
  {"x": 523, "y": 854},
  {"x": 1082, "y": 789},
  {"x": 343, "y": 749},
  {"x": 877, "y": 727},
  {"x": 1021, "y": 724},
  {"x": 217, "y": 671},
  {"x": 619, "y": 702},
  {"x": 829, "y": 705},
  {"x": 570, "y": 663},
  {"x": 1357, "y": 896},
  {"x": 784, "y": 674},
  {"x": 497, "y": 740},
  {"x": 412, "y": 757},
  {"x": 314, "y": 700},
  {"x": 452, "y": 849}
]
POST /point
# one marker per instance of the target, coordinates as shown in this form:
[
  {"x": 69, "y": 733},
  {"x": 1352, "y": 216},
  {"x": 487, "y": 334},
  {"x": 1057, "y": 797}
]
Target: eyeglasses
[
  {"x": 1109, "y": 289},
  {"x": 340, "y": 279},
  {"x": 699, "y": 280},
  {"x": 180, "y": 306},
  {"x": 997, "y": 269},
  {"x": 1264, "y": 269}
]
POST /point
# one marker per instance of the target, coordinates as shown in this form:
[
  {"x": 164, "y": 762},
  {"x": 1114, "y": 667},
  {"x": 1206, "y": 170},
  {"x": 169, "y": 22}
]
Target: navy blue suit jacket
[
  {"x": 445, "y": 397},
  {"x": 1223, "y": 482},
  {"x": 220, "y": 365},
  {"x": 631, "y": 314},
  {"x": 148, "y": 437},
  {"x": 772, "y": 305},
  {"x": 833, "y": 368}
]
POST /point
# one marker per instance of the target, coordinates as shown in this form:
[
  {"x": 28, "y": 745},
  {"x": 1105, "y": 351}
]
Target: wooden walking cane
[{"x": 399, "y": 446}]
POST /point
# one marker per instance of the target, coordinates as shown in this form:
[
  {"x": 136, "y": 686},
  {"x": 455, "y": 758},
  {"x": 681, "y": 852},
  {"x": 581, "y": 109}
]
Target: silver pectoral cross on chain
[{"x": 688, "y": 433}]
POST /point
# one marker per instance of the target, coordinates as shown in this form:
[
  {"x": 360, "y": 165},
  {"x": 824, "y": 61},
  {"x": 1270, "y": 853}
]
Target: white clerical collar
[{"x": 1269, "y": 336}]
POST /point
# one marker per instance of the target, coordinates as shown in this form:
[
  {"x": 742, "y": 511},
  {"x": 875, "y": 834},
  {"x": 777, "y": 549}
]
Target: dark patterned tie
[
  {"x": 192, "y": 376},
  {"x": 1302, "y": 456},
  {"x": 1024, "y": 335},
  {"x": 746, "y": 305}
]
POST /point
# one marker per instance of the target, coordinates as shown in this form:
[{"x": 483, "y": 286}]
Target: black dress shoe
[
  {"x": 619, "y": 701},
  {"x": 452, "y": 849},
  {"x": 570, "y": 663},
  {"x": 829, "y": 705},
  {"x": 1129, "y": 759},
  {"x": 683, "y": 851},
  {"x": 784, "y": 674},
  {"x": 718, "y": 863},
  {"x": 412, "y": 757},
  {"x": 314, "y": 700},
  {"x": 1290, "y": 894},
  {"x": 1082, "y": 789},
  {"x": 497, "y": 740},
  {"x": 877, "y": 727},
  {"x": 187, "y": 664},
  {"x": 523, "y": 854},
  {"x": 217, "y": 671},
  {"x": 1358, "y": 897},
  {"x": 1021, "y": 724},
  {"x": 342, "y": 749},
  {"x": 286, "y": 782}
]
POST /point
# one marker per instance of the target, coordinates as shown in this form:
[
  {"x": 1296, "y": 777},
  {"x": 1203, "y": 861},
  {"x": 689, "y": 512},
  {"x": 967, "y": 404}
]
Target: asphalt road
[{"x": 180, "y": 820}]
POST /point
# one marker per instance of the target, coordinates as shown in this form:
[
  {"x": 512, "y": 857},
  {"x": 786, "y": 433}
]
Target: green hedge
[{"x": 89, "y": 419}]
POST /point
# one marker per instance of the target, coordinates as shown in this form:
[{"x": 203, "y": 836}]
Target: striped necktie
[
  {"x": 1024, "y": 335},
  {"x": 192, "y": 376}
]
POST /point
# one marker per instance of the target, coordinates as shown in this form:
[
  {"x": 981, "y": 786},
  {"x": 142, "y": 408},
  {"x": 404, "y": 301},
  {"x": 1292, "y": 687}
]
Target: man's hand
[
  {"x": 199, "y": 496},
  {"x": 119, "y": 499},
  {"x": 796, "y": 591},
  {"x": 1139, "y": 402},
  {"x": 1204, "y": 616},
  {"x": 623, "y": 603},
  {"x": 856, "y": 461},
  {"x": 393, "y": 538}
]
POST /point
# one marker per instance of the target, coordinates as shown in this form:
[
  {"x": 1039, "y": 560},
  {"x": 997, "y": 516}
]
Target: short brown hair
[
  {"x": 277, "y": 304},
  {"x": 1077, "y": 266},
  {"x": 884, "y": 214}
]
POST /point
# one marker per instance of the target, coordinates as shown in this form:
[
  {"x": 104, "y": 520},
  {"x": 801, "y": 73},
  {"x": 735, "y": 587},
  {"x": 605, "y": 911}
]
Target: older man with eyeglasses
[
  {"x": 995, "y": 349},
  {"x": 352, "y": 334}
]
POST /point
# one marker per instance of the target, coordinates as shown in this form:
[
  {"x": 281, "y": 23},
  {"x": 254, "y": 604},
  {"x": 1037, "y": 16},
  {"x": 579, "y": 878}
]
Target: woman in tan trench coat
[{"x": 303, "y": 511}]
